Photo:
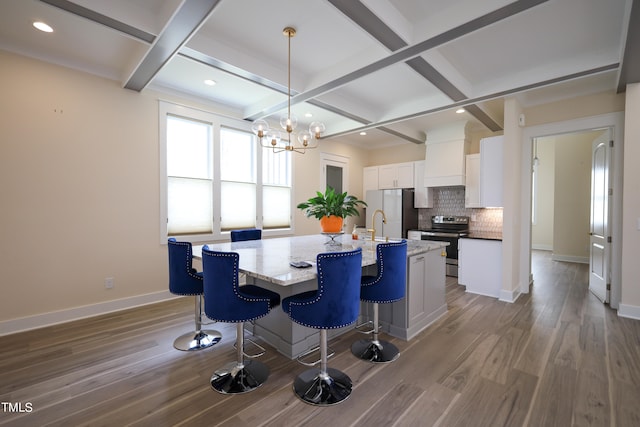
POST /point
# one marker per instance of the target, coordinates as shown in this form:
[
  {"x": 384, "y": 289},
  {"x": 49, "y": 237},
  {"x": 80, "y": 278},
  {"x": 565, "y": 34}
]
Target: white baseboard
[
  {"x": 53, "y": 318},
  {"x": 509, "y": 296},
  {"x": 540, "y": 247},
  {"x": 570, "y": 258},
  {"x": 629, "y": 311}
]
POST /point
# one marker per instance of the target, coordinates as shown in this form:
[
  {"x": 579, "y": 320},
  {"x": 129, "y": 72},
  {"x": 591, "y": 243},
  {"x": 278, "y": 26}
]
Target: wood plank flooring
[{"x": 555, "y": 357}]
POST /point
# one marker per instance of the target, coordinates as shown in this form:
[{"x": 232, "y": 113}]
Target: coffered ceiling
[{"x": 392, "y": 68}]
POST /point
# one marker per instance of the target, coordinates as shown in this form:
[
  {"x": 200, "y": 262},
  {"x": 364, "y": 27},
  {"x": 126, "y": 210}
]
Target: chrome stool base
[
  {"x": 238, "y": 379},
  {"x": 375, "y": 351},
  {"x": 323, "y": 390},
  {"x": 197, "y": 340}
]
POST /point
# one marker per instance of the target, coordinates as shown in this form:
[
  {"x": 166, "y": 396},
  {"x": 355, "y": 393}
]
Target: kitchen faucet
[{"x": 373, "y": 223}]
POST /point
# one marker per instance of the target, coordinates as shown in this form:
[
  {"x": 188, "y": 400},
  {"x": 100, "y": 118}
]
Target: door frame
[{"x": 616, "y": 122}]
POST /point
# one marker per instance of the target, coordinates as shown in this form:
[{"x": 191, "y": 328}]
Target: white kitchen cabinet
[
  {"x": 472, "y": 182},
  {"x": 422, "y": 196},
  {"x": 395, "y": 175},
  {"x": 480, "y": 266},
  {"x": 491, "y": 171},
  {"x": 483, "y": 180},
  {"x": 369, "y": 179},
  {"x": 446, "y": 148},
  {"x": 445, "y": 163}
]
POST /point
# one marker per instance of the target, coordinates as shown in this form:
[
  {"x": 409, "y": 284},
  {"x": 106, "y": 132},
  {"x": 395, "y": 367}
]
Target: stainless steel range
[{"x": 448, "y": 229}]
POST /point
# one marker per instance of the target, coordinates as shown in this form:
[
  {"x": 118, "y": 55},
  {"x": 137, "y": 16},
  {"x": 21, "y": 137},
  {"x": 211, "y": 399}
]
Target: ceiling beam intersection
[
  {"x": 407, "y": 53},
  {"x": 187, "y": 19}
]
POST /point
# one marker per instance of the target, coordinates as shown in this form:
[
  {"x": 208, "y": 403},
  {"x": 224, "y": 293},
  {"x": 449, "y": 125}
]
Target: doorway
[
  {"x": 570, "y": 213},
  {"x": 612, "y": 121},
  {"x": 561, "y": 177}
]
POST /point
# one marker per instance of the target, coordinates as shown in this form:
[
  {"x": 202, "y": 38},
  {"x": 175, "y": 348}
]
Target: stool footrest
[
  {"x": 301, "y": 358},
  {"x": 261, "y": 349},
  {"x": 360, "y": 327}
]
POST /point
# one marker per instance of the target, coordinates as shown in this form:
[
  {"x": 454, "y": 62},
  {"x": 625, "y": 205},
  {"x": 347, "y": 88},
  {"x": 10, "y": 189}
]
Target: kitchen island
[{"x": 265, "y": 263}]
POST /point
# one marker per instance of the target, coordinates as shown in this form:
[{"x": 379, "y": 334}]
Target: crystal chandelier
[{"x": 305, "y": 139}]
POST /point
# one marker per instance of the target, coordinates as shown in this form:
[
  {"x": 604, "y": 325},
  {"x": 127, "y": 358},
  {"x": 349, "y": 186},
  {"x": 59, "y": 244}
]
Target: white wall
[
  {"x": 542, "y": 229},
  {"x": 512, "y": 223},
  {"x": 572, "y": 196},
  {"x": 630, "y": 295}
]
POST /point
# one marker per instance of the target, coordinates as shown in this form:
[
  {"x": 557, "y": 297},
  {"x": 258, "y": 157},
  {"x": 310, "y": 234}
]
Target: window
[
  {"x": 216, "y": 178},
  {"x": 189, "y": 177},
  {"x": 237, "y": 179},
  {"x": 276, "y": 189}
]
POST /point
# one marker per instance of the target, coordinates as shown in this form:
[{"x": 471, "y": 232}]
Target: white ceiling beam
[{"x": 188, "y": 18}]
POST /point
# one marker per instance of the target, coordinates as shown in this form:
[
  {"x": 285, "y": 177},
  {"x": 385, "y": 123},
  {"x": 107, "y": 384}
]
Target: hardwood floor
[{"x": 555, "y": 357}]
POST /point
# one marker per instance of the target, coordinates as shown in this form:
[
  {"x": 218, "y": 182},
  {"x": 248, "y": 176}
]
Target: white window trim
[{"x": 217, "y": 122}]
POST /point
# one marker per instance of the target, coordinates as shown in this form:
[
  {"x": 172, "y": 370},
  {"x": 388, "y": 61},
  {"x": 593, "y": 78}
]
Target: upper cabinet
[
  {"x": 399, "y": 175},
  {"x": 369, "y": 179},
  {"x": 484, "y": 175},
  {"x": 472, "y": 182},
  {"x": 396, "y": 175},
  {"x": 383, "y": 177},
  {"x": 422, "y": 196},
  {"x": 446, "y": 152}
]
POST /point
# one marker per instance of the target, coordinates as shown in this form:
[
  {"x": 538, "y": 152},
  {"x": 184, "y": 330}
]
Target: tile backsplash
[{"x": 450, "y": 201}]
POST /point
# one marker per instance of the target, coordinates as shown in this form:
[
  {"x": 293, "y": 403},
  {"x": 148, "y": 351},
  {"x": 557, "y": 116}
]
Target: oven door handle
[{"x": 438, "y": 234}]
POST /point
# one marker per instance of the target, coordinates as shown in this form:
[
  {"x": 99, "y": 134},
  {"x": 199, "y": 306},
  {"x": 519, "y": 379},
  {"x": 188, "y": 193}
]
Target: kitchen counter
[
  {"x": 484, "y": 235},
  {"x": 268, "y": 259}
]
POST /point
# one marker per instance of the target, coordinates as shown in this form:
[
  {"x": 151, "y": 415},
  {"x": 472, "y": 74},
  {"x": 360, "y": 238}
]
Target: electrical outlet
[{"x": 108, "y": 283}]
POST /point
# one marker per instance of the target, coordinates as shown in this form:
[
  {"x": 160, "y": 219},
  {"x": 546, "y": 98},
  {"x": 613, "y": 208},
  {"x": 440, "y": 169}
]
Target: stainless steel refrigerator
[{"x": 397, "y": 206}]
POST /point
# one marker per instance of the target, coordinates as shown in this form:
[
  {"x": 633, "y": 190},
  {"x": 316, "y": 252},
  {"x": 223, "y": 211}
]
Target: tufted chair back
[
  {"x": 389, "y": 284},
  {"x": 183, "y": 278},
  {"x": 336, "y": 302}
]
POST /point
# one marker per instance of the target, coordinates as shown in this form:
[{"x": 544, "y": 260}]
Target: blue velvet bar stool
[
  {"x": 184, "y": 280},
  {"x": 226, "y": 301},
  {"x": 387, "y": 286},
  {"x": 247, "y": 234},
  {"x": 335, "y": 304}
]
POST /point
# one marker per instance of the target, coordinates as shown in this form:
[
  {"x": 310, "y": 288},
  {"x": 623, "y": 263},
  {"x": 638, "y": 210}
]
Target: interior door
[
  {"x": 335, "y": 172},
  {"x": 599, "y": 242}
]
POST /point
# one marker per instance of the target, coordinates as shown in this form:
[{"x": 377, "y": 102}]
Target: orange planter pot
[{"x": 331, "y": 224}]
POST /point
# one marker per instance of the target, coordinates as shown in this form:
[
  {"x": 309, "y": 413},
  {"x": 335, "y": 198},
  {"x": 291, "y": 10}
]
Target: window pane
[
  {"x": 189, "y": 206},
  {"x": 237, "y": 161},
  {"x": 188, "y": 148},
  {"x": 238, "y": 205},
  {"x": 334, "y": 178},
  {"x": 277, "y": 207},
  {"x": 276, "y": 168}
]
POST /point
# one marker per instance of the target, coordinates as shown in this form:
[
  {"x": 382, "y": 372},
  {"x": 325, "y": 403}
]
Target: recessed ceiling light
[
  {"x": 43, "y": 27},
  {"x": 363, "y": 133},
  {"x": 308, "y": 115},
  {"x": 210, "y": 82},
  {"x": 460, "y": 110}
]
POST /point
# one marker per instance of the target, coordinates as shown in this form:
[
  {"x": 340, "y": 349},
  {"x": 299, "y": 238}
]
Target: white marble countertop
[{"x": 268, "y": 259}]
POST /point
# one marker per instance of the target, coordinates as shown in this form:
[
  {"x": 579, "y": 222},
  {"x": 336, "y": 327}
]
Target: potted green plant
[{"x": 331, "y": 208}]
